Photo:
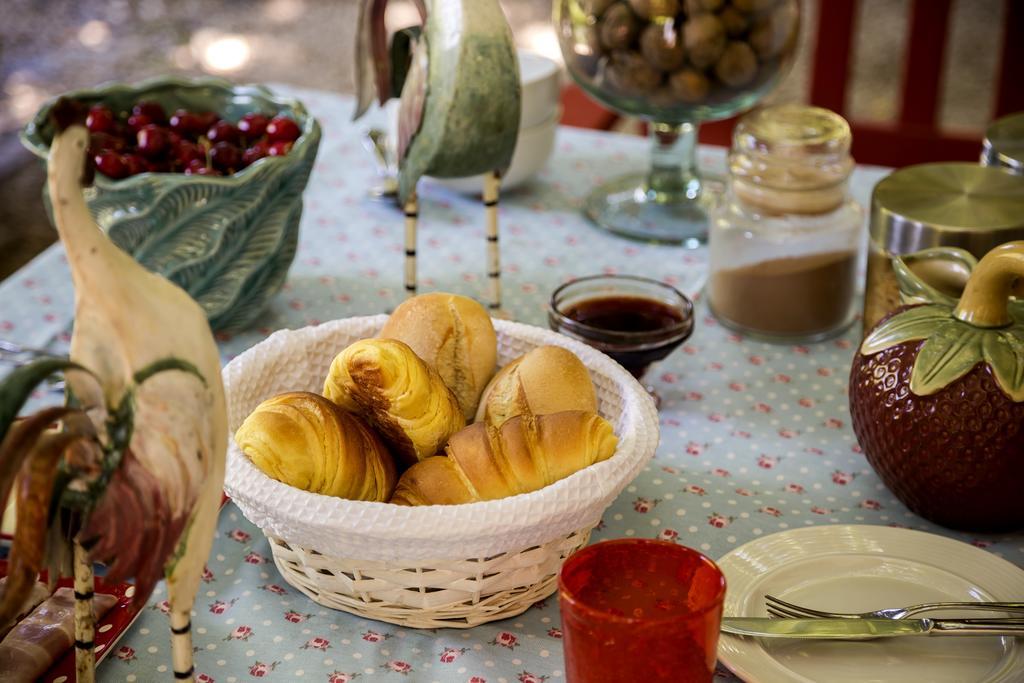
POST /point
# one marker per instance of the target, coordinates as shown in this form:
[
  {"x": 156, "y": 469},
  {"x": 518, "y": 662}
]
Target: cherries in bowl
[
  {"x": 216, "y": 214},
  {"x": 178, "y": 142}
]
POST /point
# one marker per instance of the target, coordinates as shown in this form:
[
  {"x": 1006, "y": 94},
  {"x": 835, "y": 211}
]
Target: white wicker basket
[{"x": 436, "y": 566}]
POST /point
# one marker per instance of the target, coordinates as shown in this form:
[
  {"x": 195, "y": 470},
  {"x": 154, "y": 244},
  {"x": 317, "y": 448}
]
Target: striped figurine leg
[
  {"x": 85, "y": 622},
  {"x": 181, "y": 645},
  {"x": 411, "y": 210},
  {"x": 492, "y": 183}
]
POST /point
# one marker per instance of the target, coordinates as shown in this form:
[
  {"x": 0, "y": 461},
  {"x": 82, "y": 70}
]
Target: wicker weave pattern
[{"x": 442, "y": 594}]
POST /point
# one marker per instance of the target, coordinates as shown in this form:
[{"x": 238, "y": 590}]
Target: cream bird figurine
[
  {"x": 460, "y": 104},
  {"x": 135, "y": 459}
]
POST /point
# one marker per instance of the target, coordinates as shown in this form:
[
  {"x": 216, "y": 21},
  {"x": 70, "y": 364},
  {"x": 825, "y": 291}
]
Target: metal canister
[
  {"x": 930, "y": 205},
  {"x": 1004, "y": 144}
]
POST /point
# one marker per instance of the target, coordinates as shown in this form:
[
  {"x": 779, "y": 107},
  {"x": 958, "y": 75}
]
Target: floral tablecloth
[{"x": 755, "y": 438}]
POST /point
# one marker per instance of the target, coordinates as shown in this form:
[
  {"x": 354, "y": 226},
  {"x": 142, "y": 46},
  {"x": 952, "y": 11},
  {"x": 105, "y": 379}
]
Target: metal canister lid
[
  {"x": 948, "y": 204},
  {"x": 1004, "y": 144}
]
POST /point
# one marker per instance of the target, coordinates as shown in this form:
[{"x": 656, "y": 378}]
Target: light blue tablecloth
[{"x": 755, "y": 438}]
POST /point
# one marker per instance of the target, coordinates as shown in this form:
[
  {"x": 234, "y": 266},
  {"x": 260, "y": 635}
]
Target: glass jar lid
[{"x": 791, "y": 158}]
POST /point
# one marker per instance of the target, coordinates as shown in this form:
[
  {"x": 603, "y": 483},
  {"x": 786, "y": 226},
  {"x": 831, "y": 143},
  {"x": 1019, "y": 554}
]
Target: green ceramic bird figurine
[{"x": 458, "y": 79}]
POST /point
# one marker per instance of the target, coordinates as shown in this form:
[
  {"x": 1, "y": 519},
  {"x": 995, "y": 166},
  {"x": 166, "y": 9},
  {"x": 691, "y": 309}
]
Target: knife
[{"x": 869, "y": 629}]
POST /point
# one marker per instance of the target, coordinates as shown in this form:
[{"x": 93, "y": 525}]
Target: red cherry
[
  {"x": 225, "y": 156},
  {"x": 102, "y": 142},
  {"x": 188, "y": 124},
  {"x": 186, "y": 152},
  {"x": 152, "y": 110},
  {"x": 139, "y": 121},
  {"x": 135, "y": 164},
  {"x": 222, "y": 131},
  {"x": 253, "y": 125},
  {"x": 279, "y": 149},
  {"x": 208, "y": 118},
  {"x": 111, "y": 164},
  {"x": 152, "y": 141},
  {"x": 255, "y": 153},
  {"x": 101, "y": 120},
  {"x": 281, "y": 129}
]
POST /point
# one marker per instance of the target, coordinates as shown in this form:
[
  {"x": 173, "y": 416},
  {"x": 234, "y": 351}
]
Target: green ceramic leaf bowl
[{"x": 227, "y": 241}]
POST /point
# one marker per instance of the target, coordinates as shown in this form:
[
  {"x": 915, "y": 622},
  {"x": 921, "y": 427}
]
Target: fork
[
  {"x": 781, "y": 608},
  {"x": 10, "y": 350},
  {"x": 16, "y": 355}
]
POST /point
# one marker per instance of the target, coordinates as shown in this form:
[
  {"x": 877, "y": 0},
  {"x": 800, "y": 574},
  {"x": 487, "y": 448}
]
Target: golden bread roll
[
  {"x": 384, "y": 381},
  {"x": 548, "y": 379},
  {"x": 527, "y": 453},
  {"x": 434, "y": 481},
  {"x": 454, "y": 335},
  {"x": 306, "y": 441}
]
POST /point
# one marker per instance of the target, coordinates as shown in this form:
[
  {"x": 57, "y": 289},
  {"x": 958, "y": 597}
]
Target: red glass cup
[{"x": 640, "y": 610}]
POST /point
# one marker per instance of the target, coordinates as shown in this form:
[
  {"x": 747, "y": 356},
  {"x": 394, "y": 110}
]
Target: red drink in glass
[{"x": 640, "y": 610}]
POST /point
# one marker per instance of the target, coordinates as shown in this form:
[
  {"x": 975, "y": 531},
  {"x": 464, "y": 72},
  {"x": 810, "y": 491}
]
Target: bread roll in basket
[{"x": 434, "y": 566}]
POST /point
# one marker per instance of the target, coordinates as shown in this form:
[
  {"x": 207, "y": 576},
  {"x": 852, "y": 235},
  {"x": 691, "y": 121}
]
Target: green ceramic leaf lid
[{"x": 981, "y": 328}]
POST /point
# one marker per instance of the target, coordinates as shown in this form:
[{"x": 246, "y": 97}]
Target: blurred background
[{"x": 49, "y": 46}]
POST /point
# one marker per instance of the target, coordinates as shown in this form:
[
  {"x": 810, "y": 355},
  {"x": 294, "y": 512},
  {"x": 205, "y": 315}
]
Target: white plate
[{"x": 860, "y": 568}]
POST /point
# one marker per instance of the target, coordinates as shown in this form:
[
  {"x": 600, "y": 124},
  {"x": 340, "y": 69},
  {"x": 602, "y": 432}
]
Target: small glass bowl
[{"x": 635, "y": 320}]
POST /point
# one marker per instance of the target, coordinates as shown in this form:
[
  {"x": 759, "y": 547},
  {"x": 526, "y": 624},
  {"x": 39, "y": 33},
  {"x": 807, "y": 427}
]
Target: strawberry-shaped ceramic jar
[{"x": 937, "y": 401}]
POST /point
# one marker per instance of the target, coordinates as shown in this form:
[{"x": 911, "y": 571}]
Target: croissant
[
  {"x": 384, "y": 381},
  {"x": 304, "y": 440},
  {"x": 526, "y": 453},
  {"x": 454, "y": 335},
  {"x": 548, "y": 379}
]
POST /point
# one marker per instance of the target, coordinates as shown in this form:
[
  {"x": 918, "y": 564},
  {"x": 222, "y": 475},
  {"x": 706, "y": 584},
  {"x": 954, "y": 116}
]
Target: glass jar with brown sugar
[{"x": 785, "y": 237}]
